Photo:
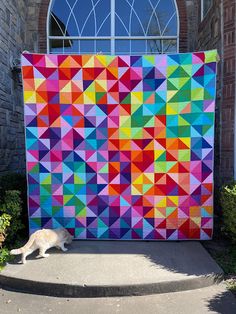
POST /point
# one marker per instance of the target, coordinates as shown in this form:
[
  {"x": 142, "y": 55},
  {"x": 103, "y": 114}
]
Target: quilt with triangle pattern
[{"x": 121, "y": 147}]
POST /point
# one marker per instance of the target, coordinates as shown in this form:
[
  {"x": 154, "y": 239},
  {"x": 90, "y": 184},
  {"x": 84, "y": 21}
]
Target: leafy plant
[
  {"x": 228, "y": 203},
  {"x": 4, "y": 257},
  {"x": 16, "y": 181},
  {"x": 4, "y": 224},
  {"x": 10, "y": 216}
]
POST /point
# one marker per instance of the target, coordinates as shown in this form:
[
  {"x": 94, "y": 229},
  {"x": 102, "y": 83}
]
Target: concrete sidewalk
[
  {"x": 100, "y": 268},
  {"x": 211, "y": 300}
]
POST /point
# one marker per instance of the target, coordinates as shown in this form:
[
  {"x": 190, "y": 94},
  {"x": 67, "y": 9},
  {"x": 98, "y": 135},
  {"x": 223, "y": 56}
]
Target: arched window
[{"x": 133, "y": 27}]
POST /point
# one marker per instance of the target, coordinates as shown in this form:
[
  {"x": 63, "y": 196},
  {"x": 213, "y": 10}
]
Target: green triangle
[
  {"x": 171, "y": 86},
  {"x": 102, "y": 225},
  {"x": 104, "y": 169},
  {"x": 162, "y": 157},
  {"x": 127, "y": 99},
  {"x": 99, "y": 95},
  {"x": 46, "y": 189},
  {"x": 147, "y": 187},
  {"x": 169, "y": 210},
  {"x": 80, "y": 210},
  {"x": 35, "y": 169},
  {"x": 182, "y": 121}
]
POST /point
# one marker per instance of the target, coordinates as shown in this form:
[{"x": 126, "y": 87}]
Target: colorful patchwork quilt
[{"x": 121, "y": 147}]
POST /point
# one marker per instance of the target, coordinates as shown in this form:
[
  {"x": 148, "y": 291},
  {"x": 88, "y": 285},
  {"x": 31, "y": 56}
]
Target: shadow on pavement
[{"x": 223, "y": 303}]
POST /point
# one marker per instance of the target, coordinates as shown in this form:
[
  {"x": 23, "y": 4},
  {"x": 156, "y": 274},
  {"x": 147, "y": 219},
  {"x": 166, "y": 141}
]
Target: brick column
[{"x": 228, "y": 103}]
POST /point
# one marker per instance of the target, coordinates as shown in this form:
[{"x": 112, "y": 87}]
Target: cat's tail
[{"x": 23, "y": 248}]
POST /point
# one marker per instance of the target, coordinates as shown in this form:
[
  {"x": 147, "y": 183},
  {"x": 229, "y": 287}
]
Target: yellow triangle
[
  {"x": 170, "y": 109},
  {"x": 148, "y": 178},
  {"x": 138, "y": 180},
  {"x": 67, "y": 88},
  {"x": 158, "y": 214},
  {"x": 161, "y": 203},
  {"x": 186, "y": 141},
  {"x": 38, "y": 82},
  {"x": 89, "y": 98},
  {"x": 134, "y": 191},
  {"x": 126, "y": 132},
  {"x": 104, "y": 60},
  {"x": 88, "y": 61},
  {"x": 171, "y": 94},
  {"x": 174, "y": 199},
  {"x": 30, "y": 97},
  {"x": 103, "y": 84},
  {"x": 137, "y": 97}
]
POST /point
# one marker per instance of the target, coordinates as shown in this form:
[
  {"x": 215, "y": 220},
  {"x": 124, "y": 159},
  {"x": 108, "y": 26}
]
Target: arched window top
[{"x": 113, "y": 26}]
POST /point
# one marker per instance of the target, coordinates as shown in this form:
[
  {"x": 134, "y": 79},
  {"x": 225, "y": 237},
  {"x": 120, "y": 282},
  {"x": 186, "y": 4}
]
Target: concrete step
[{"x": 114, "y": 268}]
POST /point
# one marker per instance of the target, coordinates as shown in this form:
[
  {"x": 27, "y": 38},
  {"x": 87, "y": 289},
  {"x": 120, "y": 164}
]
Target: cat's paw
[
  {"x": 64, "y": 249},
  {"x": 45, "y": 255}
]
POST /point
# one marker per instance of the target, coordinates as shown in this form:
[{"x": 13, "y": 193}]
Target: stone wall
[
  {"x": 18, "y": 32},
  {"x": 12, "y": 39}
]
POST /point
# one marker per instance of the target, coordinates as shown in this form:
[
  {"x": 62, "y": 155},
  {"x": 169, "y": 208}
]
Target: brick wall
[{"x": 228, "y": 103}]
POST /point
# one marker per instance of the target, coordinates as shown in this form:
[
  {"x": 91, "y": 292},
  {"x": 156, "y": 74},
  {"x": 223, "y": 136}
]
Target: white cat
[{"x": 43, "y": 240}]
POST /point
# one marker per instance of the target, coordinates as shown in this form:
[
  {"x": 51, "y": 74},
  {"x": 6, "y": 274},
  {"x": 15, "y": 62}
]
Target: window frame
[{"x": 112, "y": 37}]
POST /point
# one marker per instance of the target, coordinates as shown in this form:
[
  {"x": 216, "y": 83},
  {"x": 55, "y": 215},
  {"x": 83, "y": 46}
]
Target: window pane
[
  {"x": 153, "y": 27},
  {"x": 169, "y": 45},
  {"x": 138, "y": 47},
  {"x": 166, "y": 12},
  {"x": 57, "y": 28},
  {"x": 87, "y": 46},
  {"x": 95, "y": 46},
  {"x": 82, "y": 18},
  {"x": 206, "y": 6},
  {"x": 154, "y": 46},
  {"x": 122, "y": 47},
  {"x": 103, "y": 17},
  {"x": 71, "y": 46},
  {"x": 145, "y": 18},
  {"x": 64, "y": 46},
  {"x": 103, "y": 46},
  {"x": 122, "y": 18},
  {"x": 61, "y": 15},
  {"x": 142, "y": 12},
  {"x": 56, "y": 46}
]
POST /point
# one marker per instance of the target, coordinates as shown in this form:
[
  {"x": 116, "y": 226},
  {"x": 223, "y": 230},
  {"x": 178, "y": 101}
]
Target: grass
[
  {"x": 227, "y": 260},
  {"x": 224, "y": 254}
]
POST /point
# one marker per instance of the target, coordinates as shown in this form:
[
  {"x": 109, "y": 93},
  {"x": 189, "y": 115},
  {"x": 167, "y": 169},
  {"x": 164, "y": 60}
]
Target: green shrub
[
  {"x": 4, "y": 257},
  {"x": 16, "y": 181},
  {"x": 228, "y": 203},
  {"x": 10, "y": 216},
  {"x": 13, "y": 213}
]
